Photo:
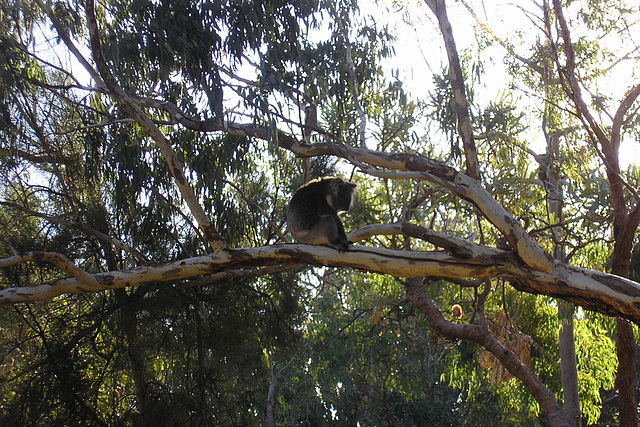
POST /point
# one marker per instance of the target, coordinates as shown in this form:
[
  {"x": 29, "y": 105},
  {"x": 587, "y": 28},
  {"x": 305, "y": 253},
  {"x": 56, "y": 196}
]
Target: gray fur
[{"x": 313, "y": 212}]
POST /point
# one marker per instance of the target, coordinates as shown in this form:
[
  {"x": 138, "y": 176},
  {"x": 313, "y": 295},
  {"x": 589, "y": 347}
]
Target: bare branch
[
  {"x": 59, "y": 260},
  {"x": 371, "y": 230},
  {"x": 64, "y": 36},
  {"x": 362, "y": 126},
  {"x": 409, "y": 165},
  {"x": 459, "y": 91}
]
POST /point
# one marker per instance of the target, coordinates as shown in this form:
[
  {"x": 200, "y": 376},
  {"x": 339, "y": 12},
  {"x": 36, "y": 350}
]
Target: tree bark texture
[
  {"x": 568, "y": 363},
  {"x": 605, "y": 293}
]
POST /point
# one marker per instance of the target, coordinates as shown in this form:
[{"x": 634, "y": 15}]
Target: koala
[{"x": 313, "y": 212}]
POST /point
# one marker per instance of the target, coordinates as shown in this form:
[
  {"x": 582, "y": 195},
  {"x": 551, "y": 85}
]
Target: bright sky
[{"x": 420, "y": 50}]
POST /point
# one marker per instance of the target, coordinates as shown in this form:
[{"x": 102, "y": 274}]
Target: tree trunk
[
  {"x": 136, "y": 358},
  {"x": 271, "y": 397},
  {"x": 625, "y": 221},
  {"x": 129, "y": 328},
  {"x": 625, "y": 342},
  {"x": 550, "y": 176},
  {"x": 626, "y": 379},
  {"x": 568, "y": 363}
]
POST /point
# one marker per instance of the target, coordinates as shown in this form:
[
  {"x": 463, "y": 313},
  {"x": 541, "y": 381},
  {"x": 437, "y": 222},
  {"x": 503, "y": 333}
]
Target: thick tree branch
[
  {"x": 414, "y": 166},
  {"x": 606, "y": 293},
  {"x": 59, "y": 260}
]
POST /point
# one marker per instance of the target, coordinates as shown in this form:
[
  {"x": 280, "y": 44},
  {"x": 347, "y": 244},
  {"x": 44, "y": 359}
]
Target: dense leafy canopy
[{"x": 89, "y": 191}]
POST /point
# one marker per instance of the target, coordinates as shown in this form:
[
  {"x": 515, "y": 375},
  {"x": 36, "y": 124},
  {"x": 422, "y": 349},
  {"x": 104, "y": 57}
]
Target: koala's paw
[{"x": 342, "y": 246}]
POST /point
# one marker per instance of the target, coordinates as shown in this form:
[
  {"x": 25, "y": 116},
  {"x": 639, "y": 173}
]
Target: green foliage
[
  {"x": 340, "y": 347},
  {"x": 368, "y": 372},
  {"x": 596, "y": 364}
]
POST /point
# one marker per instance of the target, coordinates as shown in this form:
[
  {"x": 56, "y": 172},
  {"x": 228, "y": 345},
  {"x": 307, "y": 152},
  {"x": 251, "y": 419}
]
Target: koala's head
[{"x": 341, "y": 194}]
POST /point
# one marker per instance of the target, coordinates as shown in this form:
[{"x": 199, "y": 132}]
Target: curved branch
[
  {"x": 371, "y": 230},
  {"x": 59, "y": 260},
  {"x": 411, "y": 165},
  {"x": 416, "y": 166},
  {"x": 618, "y": 119},
  {"x": 481, "y": 335}
]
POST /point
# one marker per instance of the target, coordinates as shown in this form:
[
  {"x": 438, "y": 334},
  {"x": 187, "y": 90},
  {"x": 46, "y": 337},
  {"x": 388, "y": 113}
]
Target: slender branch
[
  {"x": 64, "y": 36},
  {"x": 270, "y": 221},
  {"x": 439, "y": 8},
  {"x": 153, "y": 131},
  {"x": 481, "y": 335},
  {"x": 104, "y": 237},
  {"x": 619, "y": 118},
  {"x": 362, "y": 126},
  {"x": 5, "y": 242},
  {"x": 371, "y": 230}
]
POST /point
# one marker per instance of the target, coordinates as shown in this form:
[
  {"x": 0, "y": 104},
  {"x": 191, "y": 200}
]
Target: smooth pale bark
[
  {"x": 568, "y": 363},
  {"x": 606, "y": 293}
]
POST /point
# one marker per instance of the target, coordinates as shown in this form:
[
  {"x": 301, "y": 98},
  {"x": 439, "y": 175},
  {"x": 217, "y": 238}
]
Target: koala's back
[{"x": 309, "y": 204}]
